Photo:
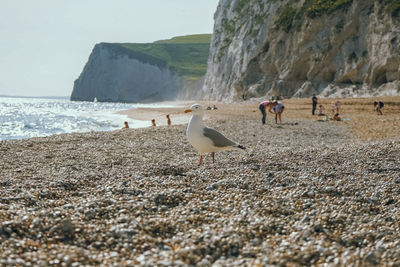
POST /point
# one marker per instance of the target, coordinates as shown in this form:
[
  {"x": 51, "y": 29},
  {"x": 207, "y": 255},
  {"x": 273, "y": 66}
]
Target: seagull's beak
[{"x": 187, "y": 110}]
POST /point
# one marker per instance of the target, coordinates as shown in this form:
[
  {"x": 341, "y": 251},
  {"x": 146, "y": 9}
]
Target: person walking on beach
[
  {"x": 278, "y": 110},
  {"x": 168, "y": 120},
  {"x": 263, "y": 106},
  {"x": 126, "y": 125},
  {"x": 314, "y": 100},
  {"x": 153, "y": 122}
]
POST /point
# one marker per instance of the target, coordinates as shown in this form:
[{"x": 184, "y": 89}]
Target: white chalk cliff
[
  {"x": 113, "y": 74},
  {"x": 280, "y": 47}
]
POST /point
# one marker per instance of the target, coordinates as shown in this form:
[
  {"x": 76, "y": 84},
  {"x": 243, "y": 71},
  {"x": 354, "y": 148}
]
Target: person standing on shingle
[{"x": 314, "y": 103}]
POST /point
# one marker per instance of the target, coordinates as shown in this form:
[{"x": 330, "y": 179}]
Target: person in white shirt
[{"x": 278, "y": 110}]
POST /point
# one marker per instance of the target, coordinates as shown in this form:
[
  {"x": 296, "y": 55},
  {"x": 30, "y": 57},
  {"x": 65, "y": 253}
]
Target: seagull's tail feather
[{"x": 241, "y": 147}]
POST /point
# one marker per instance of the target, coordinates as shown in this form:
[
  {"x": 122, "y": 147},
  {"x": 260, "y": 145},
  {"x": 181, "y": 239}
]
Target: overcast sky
[{"x": 44, "y": 44}]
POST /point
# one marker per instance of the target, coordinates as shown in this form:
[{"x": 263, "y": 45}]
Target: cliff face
[
  {"x": 112, "y": 75},
  {"x": 296, "y": 48},
  {"x": 128, "y": 72}
]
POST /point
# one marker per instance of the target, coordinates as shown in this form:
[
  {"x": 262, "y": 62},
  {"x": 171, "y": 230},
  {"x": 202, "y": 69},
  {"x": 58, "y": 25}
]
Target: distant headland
[{"x": 147, "y": 72}]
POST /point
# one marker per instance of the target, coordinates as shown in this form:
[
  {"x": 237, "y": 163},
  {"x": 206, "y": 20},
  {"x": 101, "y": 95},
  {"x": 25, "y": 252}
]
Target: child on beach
[
  {"x": 168, "y": 120},
  {"x": 322, "y": 114},
  {"x": 321, "y": 110},
  {"x": 337, "y": 106},
  {"x": 278, "y": 110},
  {"x": 333, "y": 108},
  {"x": 336, "y": 117}
]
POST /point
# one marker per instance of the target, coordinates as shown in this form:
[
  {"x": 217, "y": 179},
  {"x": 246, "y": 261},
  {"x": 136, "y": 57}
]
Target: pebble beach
[{"x": 303, "y": 193}]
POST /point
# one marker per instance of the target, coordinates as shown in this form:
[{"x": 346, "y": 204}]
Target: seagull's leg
[
  {"x": 201, "y": 160},
  {"x": 212, "y": 154}
]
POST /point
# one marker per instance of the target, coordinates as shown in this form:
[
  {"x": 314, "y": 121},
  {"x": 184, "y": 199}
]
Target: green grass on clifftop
[
  {"x": 188, "y": 39},
  {"x": 187, "y": 55}
]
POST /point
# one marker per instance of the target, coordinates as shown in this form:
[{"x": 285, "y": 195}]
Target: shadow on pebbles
[{"x": 302, "y": 193}]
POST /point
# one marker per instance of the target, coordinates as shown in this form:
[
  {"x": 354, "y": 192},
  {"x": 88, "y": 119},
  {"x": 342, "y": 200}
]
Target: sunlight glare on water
[{"x": 22, "y": 118}]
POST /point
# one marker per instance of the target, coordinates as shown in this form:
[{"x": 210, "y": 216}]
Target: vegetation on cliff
[
  {"x": 311, "y": 9},
  {"x": 317, "y": 8},
  {"x": 187, "y": 55},
  {"x": 393, "y": 6},
  {"x": 290, "y": 15},
  {"x": 296, "y": 48}
]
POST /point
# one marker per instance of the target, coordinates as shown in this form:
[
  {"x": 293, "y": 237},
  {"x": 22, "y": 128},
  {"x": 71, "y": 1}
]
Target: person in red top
[{"x": 265, "y": 105}]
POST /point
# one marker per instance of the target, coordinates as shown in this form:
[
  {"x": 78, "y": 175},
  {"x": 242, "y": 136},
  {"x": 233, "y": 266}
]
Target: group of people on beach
[
  {"x": 275, "y": 107},
  {"x": 335, "y": 108},
  {"x": 153, "y": 122}
]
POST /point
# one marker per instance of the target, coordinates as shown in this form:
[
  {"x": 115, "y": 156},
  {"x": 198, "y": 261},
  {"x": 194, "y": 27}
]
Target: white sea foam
[{"x": 22, "y": 118}]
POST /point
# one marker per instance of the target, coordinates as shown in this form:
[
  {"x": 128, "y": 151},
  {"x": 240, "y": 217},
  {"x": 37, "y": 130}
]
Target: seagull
[{"x": 206, "y": 139}]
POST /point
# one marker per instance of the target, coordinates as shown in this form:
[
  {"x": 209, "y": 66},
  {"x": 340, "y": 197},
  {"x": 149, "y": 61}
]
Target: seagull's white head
[{"x": 196, "y": 109}]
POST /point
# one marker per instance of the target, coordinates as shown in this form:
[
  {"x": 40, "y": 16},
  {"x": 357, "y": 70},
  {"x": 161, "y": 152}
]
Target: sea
[{"x": 27, "y": 117}]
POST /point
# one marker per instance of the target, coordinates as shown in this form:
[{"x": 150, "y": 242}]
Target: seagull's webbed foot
[
  {"x": 213, "y": 154},
  {"x": 201, "y": 160}
]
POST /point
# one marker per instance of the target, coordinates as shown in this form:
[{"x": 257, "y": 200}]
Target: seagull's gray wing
[{"x": 217, "y": 138}]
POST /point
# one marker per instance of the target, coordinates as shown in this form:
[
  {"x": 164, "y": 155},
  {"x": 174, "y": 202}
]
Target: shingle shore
[{"x": 303, "y": 193}]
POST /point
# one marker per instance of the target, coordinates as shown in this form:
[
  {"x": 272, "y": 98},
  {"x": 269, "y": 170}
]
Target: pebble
[{"x": 294, "y": 197}]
